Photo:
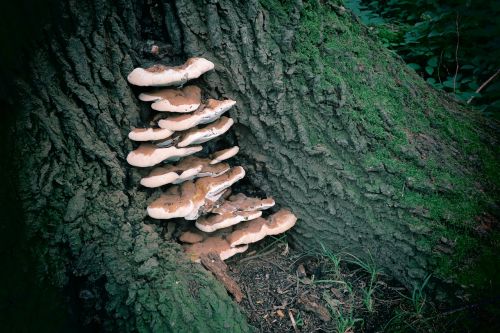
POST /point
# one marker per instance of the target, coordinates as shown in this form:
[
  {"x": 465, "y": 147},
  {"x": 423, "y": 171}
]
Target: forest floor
[
  {"x": 289, "y": 291},
  {"x": 286, "y": 291}
]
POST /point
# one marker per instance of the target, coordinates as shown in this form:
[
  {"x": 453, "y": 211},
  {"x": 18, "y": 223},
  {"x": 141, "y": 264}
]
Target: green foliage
[
  {"x": 334, "y": 259},
  {"x": 416, "y": 314},
  {"x": 453, "y": 45},
  {"x": 345, "y": 321},
  {"x": 373, "y": 272},
  {"x": 299, "y": 321}
]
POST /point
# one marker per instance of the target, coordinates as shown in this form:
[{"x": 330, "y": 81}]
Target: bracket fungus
[
  {"x": 170, "y": 174},
  {"x": 187, "y": 169},
  {"x": 255, "y": 230},
  {"x": 160, "y": 75},
  {"x": 241, "y": 202},
  {"x": 186, "y": 99},
  {"x": 207, "y": 133},
  {"x": 205, "y": 114},
  {"x": 149, "y": 154},
  {"x": 224, "y": 154},
  {"x": 215, "y": 222},
  {"x": 225, "y": 224},
  {"x": 191, "y": 237},
  {"x": 149, "y": 134},
  {"x": 213, "y": 244},
  {"x": 191, "y": 198}
]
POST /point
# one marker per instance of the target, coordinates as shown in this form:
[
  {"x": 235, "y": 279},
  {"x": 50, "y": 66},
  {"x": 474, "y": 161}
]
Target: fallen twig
[
  {"x": 484, "y": 85},
  {"x": 250, "y": 298},
  {"x": 294, "y": 324},
  {"x": 297, "y": 288},
  {"x": 214, "y": 264},
  {"x": 309, "y": 304}
]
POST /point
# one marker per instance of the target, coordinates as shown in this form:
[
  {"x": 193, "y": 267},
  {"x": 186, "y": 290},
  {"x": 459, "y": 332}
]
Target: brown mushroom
[
  {"x": 170, "y": 174},
  {"x": 208, "y": 169},
  {"x": 240, "y": 202},
  {"x": 199, "y": 196},
  {"x": 215, "y": 222},
  {"x": 207, "y": 133},
  {"x": 149, "y": 155},
  {"x": 176, "y": 202},
  {"x": 210, "y": 189},
  {"x": 174, "y": 100},
  {"x": 204, "y": 115},
  {"x": 191, "y": 237},
  {"x": 159, "y": 75},
  {"x": 224, "y": 154},
  {"x": 255, "y": 230},
  {"x": 189, "y": 168},
  {"x": 149, "y": 134},
  {"x": 213, "y": 244}
]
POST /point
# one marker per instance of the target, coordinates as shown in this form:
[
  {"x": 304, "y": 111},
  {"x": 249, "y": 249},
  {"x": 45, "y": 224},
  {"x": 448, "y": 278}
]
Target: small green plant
[
  {"x": 411, "y": 316},
  {"x": 418, "y": 298},
  {"x": 368, "y": 298},
  {"x": 368, "y": 266},
  {"x": 299, "y": 321},
  {"x": 373, "y": 273},
  {"x": 345, "y": 323},
  {"x": 334, "y": 259}
]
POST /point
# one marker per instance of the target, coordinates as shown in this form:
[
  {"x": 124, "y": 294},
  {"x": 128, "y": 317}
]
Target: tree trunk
[{"x": 371, "y": 160}]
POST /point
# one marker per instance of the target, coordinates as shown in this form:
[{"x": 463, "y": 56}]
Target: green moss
[{"x": 398, "y": 117}]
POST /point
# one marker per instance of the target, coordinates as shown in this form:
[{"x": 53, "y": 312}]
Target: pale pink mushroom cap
[
  {"x": 149, "y": 134},
  {"x": 186, "y": 99},
  {"x": 207, "y": 133},
  {"x": 224, "y": 154},
  {"x": 216, "y": 222},
  {"x": 255, "y": 230},
  {"x": 176, "y": 202},
  {"x": 159, "y": 75},
  {"x": 149, "y": 155},
  {"x": 204, "y": 115},
  {"x": 213, "y": 244}
]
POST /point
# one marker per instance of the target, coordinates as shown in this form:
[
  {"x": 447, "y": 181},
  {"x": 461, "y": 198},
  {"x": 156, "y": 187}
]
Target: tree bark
[{"x": 371, "y": 160}]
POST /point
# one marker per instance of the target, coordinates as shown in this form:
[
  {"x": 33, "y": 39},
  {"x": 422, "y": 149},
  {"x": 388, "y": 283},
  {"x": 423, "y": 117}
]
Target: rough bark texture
[{"x": 329, "y": 123}]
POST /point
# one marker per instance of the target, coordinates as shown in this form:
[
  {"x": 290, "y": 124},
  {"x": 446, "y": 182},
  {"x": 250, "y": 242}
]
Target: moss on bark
[{"x": 329, "y": 123}]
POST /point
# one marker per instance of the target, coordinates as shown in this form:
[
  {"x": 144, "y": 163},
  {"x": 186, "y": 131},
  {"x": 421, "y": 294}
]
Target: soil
[{"x": 289, "y": 291}]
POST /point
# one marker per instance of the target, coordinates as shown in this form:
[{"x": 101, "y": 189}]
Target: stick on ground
[{"x": 214, "y": 264}]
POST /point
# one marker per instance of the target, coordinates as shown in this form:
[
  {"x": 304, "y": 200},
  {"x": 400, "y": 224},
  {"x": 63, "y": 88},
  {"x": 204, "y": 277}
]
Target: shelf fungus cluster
[{"x": 198, "y": 187}]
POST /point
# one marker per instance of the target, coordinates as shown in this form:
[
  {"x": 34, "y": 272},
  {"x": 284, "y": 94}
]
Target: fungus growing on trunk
[
  {"x": 170, "y": 174},
  {"x": 203, "y": 190},
  {"x": 149, "y": 154},
  {"x": 203, "y": 115},
  {"x": 215, "y": 222},
  {"x": 174, "y": 100},
  {"x": 216, "y": 245},
  {"x": 159, "y": 75},
  {"x": 191, "y": 237},
  {"x": 255, "y": 230},
  {"x": 207, "y": 133},
  {"x": 149, "y": 134},
  {"x": 202, "y": 194},
  {"x": 240, "y": 202},
  {"x": 187, "y": 169},
  {"x": 224, "y": 154}
]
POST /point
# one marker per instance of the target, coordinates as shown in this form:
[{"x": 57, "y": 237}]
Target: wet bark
[{"x": 329, "y": 123}]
